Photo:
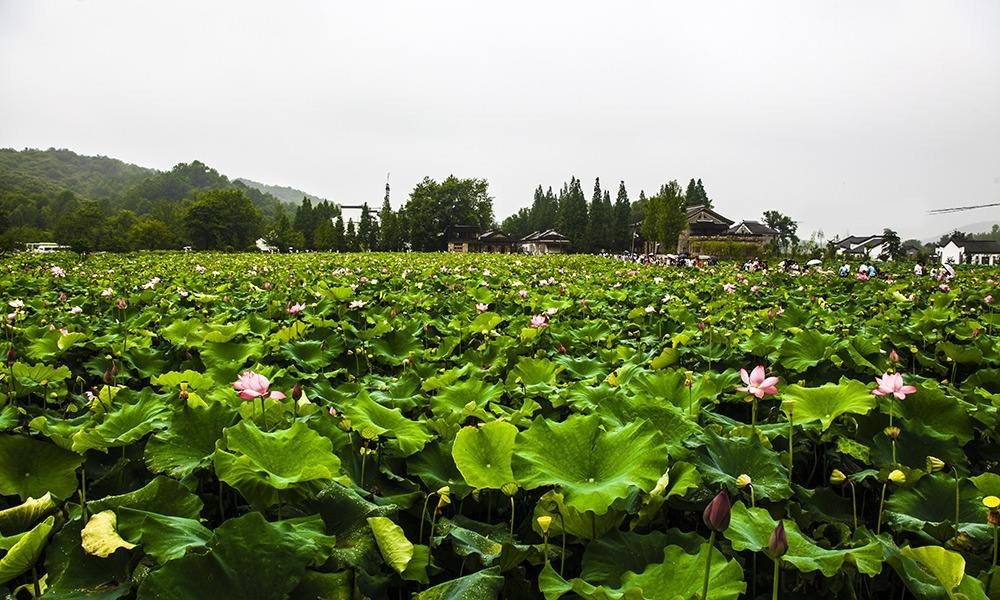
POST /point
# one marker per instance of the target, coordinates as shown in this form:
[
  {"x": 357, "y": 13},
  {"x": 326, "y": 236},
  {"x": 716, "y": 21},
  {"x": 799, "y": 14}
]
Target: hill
[
  {"x": 57, "y": 194},
  {"x": 284, "y": 193}
]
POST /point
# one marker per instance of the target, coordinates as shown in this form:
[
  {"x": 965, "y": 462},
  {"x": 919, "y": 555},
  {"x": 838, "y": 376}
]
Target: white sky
[{"x": 850, "y": 116}]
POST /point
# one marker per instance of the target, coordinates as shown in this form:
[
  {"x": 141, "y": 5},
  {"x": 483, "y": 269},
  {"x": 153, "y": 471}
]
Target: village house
[
  {"x": 549, "y": 241},
  {"x": 969, "y": 252},
  {"x": 466, "y": 238},
  {"x": 866, "y": 247},
  {"x": 706, "y": 225}
]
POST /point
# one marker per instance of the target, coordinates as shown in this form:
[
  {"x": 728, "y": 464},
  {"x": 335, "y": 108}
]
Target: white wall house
[
  {"x": 970, "y": 252},
  {"x": 868, "y": 247}
]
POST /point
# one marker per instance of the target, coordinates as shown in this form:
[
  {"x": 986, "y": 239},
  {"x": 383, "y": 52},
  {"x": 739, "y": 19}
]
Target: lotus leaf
[
  {"x": 593, "y": 467},
  {"x": 100, "y": 535},
  {"x": 829, "y": 401},
  {"x": 32, "y": 468},
  {"x": 722, "y": 460},
  {"x": 483, "y": 454},
  {"x": 261, "y": 464},
  {"x": 23, "y": 555},
  {"x": 481, "y": 585}
]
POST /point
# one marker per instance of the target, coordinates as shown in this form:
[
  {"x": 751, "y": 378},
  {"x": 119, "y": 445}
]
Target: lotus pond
[{"x": 178, "y": 426}]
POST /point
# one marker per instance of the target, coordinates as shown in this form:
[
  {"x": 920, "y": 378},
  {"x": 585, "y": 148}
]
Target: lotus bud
[
  {"x": 11, "y": 355},
  {"x": 121, "y": 304},
  {"x": 743, "y": 481},
  {"x": 893, "y": 357},
  {"x": 898, "y": 477},
  {"x": 562, "y": 349},
  {"x": 344, "y": 424},
  {"x": 893, "y": 432},
  {"x": 297, "y": 391},
  {"x": 544, "y": 522},
  {"x": 688, "y": 378},
  {"x": 777, "y": 545},
  {"x": 934, "y": 464},
  {"x": 718, "y": 512},
  {"x": 837, "y": 477},
  {"x": 107, "y": 377},
  {"x": 444, "y": 498},
  {"x": 701, "y": 326}
]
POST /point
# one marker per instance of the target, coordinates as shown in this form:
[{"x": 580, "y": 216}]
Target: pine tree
[
  {"x": 572, "y": 216},
  {"x": 339, "y": 235},
  {"x": 367, "y": 230},
  {"x": 622, "y": 220},
  {"x": 390, "y": 234},
  {"x": 325, "y": 236},
  {"x": 306, "y": 221},
  {"x": 596, "y": 222},
  {"x": 351, "y": 237}
]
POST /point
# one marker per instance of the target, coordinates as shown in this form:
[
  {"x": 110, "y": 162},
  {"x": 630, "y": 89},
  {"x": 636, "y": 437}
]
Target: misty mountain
[
  {"x": 286, "y": 194},
  {"x": 977, "y": 227}
]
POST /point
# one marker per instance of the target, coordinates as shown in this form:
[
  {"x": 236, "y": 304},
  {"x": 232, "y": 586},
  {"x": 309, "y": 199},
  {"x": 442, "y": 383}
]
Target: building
[
  {"x": 549, "y": 241},
  {"x": 466, "y": 238},
  {"x": 865, "y": 247},
  {"x": 45, "y": 247},
  {"x": 969, "y": 252},
  {"x": 706, "y": 225}
]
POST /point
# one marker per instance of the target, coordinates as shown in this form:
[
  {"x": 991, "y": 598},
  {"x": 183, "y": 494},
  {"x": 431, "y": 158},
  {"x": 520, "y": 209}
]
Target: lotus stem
[
  {"x": 545, "y": 546},
  {"x": 989, "y": 580},
  {"x": 854, "y": 505},
  {"x": 34, "y": 577},
  {"x": 881, "y": 506},
  {"x": 263, "y": 416},
  {"x": 423, "y": 517},
  {"x": 512, "y": 518},
  {"x": 791, "y": 445},
  {"x": 708, "y": 565},
  {"x": 777, "y": 573},
  {"x": 753, "y": 415},
  {"x": 83, "y": 491},
  {"x": 562, "y": 556},
  {"x": 430, "y": 536},
  {"x": 957, "y": 499},
  {"x": 222, "y": 504},
  {"x": 753, "y": 498},
  {"x": 364, "y": 458}
]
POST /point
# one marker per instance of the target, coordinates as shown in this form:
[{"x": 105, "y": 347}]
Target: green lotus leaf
[
  {"x": 963, "y": 355},
  {"x": 39, "y": 375},
  {"x": 397, "y": 551},
  {"x": 939, "y": 413},
  {"x": 593, "y": 467},
  {"x": 533, "y": 371},
  {"x": 457, "y": 396},
  {"x": 345, "y": 514},
  {"x": 435, "y": 466},
  {"x": 920, "y": 578},
  {"x": 260, "y": 464},
  {"x": 173, "y": 379},
  {"x": 607, "y": 559},
  {"x": 676, "y": 574},
  {"x": 9, "y": 418},
  {"x": 467, "y": 542},
  {"x": 309, "y": 353},
  {"x": 406, "y": 437},
  {"x": 725, "y": 459},
  {"x": 234, "y": 565},
  {"x": 806, "y": 349},
  {"x": 23, "y": 555},
  {"x": 19, "y": 518},
  {"x": 416, "y": 569},
  {"x": 162, "y": 495},
  {"x": 751, "y": 528},
  {"x": 127, "y": 424},
  {"x": 677, "y": 481},
  {"x": 72, "y": 573},
  {"x": 827, "y": 402},
  {"x": 230, "y": 355},
  {"x": 32, "y": 468},
  {"x": 329, "y": 586},
  {"x": 481, "y": 585},
  {"x": 163, "y": 537},
  {"x": 100, "y": 535},
  {"x": 947, "y": 567},
  {"x": 584, "y": 525},
  {"x": 931, "y": 501},
  {"x": 188, "y": 441},
  {"x": 988, "y": 484},
  {"x": 670, "y": 421},
  {"x": 483, "y": 454}
]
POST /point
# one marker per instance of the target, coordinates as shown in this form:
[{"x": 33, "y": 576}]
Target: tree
[
  {"x": 282, "y": 235},
  {"x": 339, "y": 235},
  {"x": 572, "y": 216},
  {"x": 892, "y": 248},
  {"x": 151, "y": 234},
  {"x": 324, "y": 237},
  {"x": 621, "y": 221},
  {"x": 434, "y": 209},
  {"x": 305, "y": 221},
  {"x": 351, "y": 237},
  {"x": 367, "y": 230},
  {"x": 695, "y": 195},
  {"x": 82, "y": 229},
  {"x": 786, "y": 228},
  {"x": 390, "y": 234},
  {"x": 222, "y": 219}
]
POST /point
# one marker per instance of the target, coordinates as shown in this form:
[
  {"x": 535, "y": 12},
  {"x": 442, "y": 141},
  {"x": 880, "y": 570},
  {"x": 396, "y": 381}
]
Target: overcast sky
[{"x": 850, "y": 116}]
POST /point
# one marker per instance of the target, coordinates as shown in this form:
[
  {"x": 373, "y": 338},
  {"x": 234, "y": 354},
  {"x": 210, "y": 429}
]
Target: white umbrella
[
  {"x": 813, "y": 262},
  {"x": 950, "y": 270}
]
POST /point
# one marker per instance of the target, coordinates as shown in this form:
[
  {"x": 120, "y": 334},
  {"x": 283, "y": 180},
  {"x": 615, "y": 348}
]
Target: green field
[{"x": 491, "y": 426}]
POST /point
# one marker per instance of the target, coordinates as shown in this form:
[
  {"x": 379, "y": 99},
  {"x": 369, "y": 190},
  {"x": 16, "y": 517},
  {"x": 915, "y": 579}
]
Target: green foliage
[{"x": 222, "y": 219}]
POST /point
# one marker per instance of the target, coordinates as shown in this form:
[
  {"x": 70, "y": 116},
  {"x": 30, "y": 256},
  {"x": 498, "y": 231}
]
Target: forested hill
[
  {"x": 63, "y": 196},
  {"x": 284, "y": 193}
]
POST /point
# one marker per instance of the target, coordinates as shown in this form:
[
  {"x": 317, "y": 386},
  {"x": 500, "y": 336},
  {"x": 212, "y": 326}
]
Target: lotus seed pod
[{"x": 837, "y": 477}]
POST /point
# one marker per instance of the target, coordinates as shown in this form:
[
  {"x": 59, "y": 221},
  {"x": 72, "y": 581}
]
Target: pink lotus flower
[
  {"x": 522, "y": 293},
  {"x": 199, "y": 268},
  {"x": 757, "y": 383},
  {"x": 267, "y": 285},
  {"x": 76, "y": 310},
  {"x": 481, "y": 307},
  {"x": 296, "y": 308},
  {"x": 121, "y": 304},
  {"x": 357, "y": 304},
  {"x": 944, "y": 287},
  {"x": 892, "y": 383},
  {"x": 252, "y": 385},
  {"x": 729, "y": 288},
  {"x": 988, "y": 299},
  {"x": 539, "y": 321},
  {"x": 58, "y": 272}
]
